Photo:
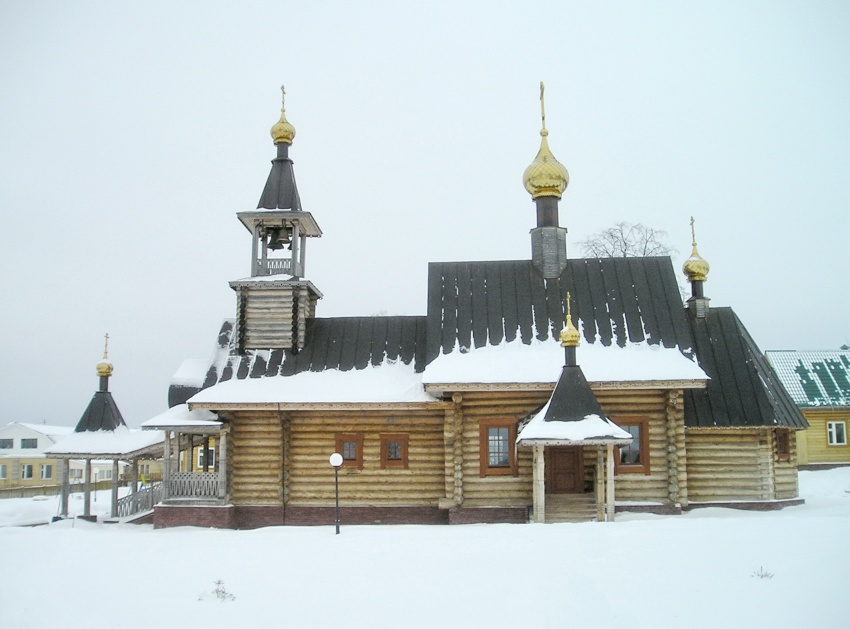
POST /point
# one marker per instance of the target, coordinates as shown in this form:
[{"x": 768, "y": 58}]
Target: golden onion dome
[
  {"x": 545, "y": 176},
  {"x": 696, "y": 267},
  {"x": 104, "y": 367},
  {"x": 282, "y": 131},
  {"x": 569, "y": 336}
]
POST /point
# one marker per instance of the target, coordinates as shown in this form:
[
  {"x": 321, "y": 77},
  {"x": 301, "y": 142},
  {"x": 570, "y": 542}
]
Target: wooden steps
[{"x": 570, "y": 508}]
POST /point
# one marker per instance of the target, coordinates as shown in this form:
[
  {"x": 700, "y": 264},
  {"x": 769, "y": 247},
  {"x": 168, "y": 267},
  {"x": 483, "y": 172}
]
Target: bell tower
[{"x": 275, "y": 302}]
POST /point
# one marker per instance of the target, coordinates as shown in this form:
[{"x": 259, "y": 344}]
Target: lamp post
[{"x": 336, "y": 461}]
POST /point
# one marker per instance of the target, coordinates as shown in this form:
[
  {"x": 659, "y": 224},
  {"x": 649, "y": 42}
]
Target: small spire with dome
[
  {"x": 570, "y": 338},
  {"x": 696, "y": 267},
  {"x": 104, "y": 367},
  {"x": 282, "y": 131}
]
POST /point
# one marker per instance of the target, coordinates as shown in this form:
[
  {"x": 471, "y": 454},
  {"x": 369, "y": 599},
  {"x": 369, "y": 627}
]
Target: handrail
[{"x": 142, "y": 500}]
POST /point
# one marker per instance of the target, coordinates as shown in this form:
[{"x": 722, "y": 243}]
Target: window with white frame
[
  {"x": 836, "y": 434},
  {"x": 7, "y": 444},
  {"x": 46, "y": 471},
  {"x": 2, "y": 471},
  {"x": 76, "y": 473},
  {"x": 145, "y": 468},
  {"x": 29, "y": 444},
  {"x": 201, "y": 458},
  {"x": 104, "y": 475},
  {"x": 26, "y": 471}
]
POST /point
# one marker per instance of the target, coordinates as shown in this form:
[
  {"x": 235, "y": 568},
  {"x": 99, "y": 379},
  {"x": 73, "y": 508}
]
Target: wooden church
[{"x": 507, "y": 401}]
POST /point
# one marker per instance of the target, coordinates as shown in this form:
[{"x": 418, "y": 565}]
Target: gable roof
[
  {"x": 333, "y": 344},
  {"x": 616, "y": 300},
  {"x": 743, "y": 391},
  {"x": 813, "y": 378}
]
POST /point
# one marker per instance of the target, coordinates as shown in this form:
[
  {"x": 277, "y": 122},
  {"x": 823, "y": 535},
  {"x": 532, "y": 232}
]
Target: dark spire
[
  {"x": 572, "y": 400},
  {"x": 102, "y": 413},
  {"x": 280, "y": 191}
]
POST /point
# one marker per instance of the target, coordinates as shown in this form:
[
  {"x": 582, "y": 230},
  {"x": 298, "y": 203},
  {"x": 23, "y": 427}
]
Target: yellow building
[
  {"x": 819, "y": 383},
  {"x": 22, "y": 459}
]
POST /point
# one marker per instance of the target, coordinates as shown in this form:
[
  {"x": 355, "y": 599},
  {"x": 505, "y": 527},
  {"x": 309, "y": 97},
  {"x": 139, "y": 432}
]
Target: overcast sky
[{"x": 132, "y": 133}]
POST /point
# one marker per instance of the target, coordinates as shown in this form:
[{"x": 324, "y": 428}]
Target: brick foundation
[
  {"x": 310, "y": 516},
  {"x": 255, "y": 517},
  {"x": 488, "y": 515},
  {"x": 754, "y": 505},
  {"x": 218, "y": 517}
]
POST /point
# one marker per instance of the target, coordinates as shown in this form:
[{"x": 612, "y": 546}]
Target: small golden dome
[
  {"x": 282, "y": 131},
  {"x": 545, "y": 176},
  {"x": 696, "y": 267},
  {"x": 569, "y": 336},
  {"x": 104, "y": 367}
]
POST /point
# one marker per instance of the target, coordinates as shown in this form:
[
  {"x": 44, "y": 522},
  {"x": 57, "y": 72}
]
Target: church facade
[{"x": 442, "y": 418}]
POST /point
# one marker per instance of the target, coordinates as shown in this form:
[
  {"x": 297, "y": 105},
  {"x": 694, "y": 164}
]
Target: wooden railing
[
  {"x": 193, "y": 485},
  {"x": 142, "y": 500},
  {"x": 277, "y": 266}
]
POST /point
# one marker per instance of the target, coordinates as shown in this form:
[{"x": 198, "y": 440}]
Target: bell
[{"x": 278, "y": 238}]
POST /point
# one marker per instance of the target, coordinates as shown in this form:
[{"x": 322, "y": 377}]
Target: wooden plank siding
[
  {"x": 730, "y": 464},
  {"x": 819, "y": 450},
  {"x": 312, "y": 439}
]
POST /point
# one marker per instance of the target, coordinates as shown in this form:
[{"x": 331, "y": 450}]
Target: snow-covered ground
[{"x": 708, "y": 568}]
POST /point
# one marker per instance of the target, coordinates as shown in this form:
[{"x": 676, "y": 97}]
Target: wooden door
[{"x": 564, "y": 470}]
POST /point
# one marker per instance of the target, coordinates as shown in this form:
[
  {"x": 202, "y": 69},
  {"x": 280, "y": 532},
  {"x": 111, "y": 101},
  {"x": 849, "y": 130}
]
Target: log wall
[
  {"x": 496, "y": 491},
  {"x": 255, "y": 451},
  {"x": 667, "y": 480},
  {"x": 785, "y": 484},
  {"x": 312, "y": 439},
  {"x": 730, "y": 464}
]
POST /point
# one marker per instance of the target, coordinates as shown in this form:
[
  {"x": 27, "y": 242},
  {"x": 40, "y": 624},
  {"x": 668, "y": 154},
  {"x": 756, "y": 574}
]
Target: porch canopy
[
  {"x": 182, "y": 426},
  {"x": 119, "y": 444},
  {"x": 573, "y": 417}
]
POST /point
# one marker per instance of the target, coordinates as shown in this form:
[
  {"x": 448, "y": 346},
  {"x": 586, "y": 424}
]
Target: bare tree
[{"x": 626, "y": 240}]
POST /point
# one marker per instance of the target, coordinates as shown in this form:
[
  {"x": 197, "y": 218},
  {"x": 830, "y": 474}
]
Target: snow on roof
[
  {"x": 592, "y": 428},
  {"x": 180, "y": 415},
  {"x": 191, "y": 373},
  {"x": 390, "y": 382},
  {"x": 47, "y": 429},
  {"x": 541, "y": 361},
  {"x": 813, "y": 378},
  {"x": 120, "y": 441}
]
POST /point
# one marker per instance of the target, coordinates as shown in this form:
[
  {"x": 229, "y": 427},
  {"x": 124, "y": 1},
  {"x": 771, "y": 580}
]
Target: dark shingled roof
[
  {"x": 342, "y": 343},
  {"x": 280, "y": 191},
  {"x": 619, "y": 300},
  {"x": 101, "y": 414},
  {"x": 572, "y": 400},
  {"x": 743, "y": 391}
]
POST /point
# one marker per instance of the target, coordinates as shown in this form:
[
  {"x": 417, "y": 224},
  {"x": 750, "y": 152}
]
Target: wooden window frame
[
  {"x": 830, "y": 432},
  {"x": 388, "y": 463},
  {"x": 200, "y": 460},
  {"x": 643, "y": 434},
  {"x": 783, "y": 444},
  {"x": 357, "y": 438},
  {"x": 511, "y": 469}
]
